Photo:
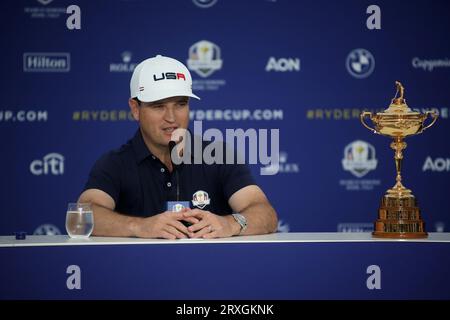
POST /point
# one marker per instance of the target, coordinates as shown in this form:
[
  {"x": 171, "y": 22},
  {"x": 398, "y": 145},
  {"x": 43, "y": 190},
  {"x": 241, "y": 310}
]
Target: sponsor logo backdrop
[{"x": 306, "y": 67}]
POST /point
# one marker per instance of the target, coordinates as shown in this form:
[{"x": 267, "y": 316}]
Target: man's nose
[{"x": 169, "y": 115}]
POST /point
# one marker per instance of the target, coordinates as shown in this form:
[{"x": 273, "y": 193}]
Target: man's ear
[{"x": 134, "y": 107}]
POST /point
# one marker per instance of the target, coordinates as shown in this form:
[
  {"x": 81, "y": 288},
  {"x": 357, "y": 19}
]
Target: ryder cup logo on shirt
[
  {"x": 359, "y": 158},
  {"x": 360, "y": 63},
  {"x": 200, "y": 199},
  {"x": 177, "y": 207}
]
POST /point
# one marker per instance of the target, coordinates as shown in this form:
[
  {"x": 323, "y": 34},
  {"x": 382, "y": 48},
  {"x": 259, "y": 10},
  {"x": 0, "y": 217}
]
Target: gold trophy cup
[{"x": 399, "y": 216}]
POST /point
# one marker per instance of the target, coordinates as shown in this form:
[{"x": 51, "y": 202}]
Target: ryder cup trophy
[{"x": 399, "y": 216}]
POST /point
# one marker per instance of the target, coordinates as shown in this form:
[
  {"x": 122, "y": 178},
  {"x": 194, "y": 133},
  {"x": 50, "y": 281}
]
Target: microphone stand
[{"x": 172, "y": 145}]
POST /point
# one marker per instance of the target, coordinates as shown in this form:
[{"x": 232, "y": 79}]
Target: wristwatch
[{"x": 241, "y": 220}]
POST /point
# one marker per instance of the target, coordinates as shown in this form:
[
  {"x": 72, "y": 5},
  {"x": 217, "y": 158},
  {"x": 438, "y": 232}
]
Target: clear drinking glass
[{"x": 79, "y": 220}]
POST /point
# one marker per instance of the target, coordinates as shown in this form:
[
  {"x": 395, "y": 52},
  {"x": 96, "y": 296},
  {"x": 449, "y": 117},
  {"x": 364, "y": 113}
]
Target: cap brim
[
  {"x": 194, "y": 96},
  {"x": 162, "y": 96}
]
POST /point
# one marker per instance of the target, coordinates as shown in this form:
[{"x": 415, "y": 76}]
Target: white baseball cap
[{"x": 159, "y": 78}]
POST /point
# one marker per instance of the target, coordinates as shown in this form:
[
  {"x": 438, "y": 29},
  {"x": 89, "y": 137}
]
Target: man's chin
[{"x": 165, "y": 140}]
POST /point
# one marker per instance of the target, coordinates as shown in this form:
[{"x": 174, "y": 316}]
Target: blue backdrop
[{"x": 307, "y": 68}]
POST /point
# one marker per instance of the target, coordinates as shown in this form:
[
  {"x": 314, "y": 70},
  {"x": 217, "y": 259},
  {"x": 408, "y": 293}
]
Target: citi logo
[
  {"x": 169, "y": 76},
  {"x": 46, "y": 62},
  {"x": 283, "y": 64},
  {"x": 438, "y": 164},
  {"x": 51, "y": 164}
]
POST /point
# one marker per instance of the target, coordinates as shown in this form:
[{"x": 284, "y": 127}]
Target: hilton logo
[{"x": 46, "y": 62}]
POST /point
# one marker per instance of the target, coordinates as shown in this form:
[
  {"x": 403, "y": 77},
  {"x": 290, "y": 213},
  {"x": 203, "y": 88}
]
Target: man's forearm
[
  {"x": 113, "y": 224},
  {"x": 261, "y": 219}
]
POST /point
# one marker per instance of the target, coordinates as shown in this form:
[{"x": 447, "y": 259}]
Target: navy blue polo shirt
[{"x": 141, "y": 184}]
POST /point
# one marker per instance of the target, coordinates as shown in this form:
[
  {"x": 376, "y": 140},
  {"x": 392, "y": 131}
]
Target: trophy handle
[
  {"x": 434, "y": 115},
  {"x": 362, "y": 117}
]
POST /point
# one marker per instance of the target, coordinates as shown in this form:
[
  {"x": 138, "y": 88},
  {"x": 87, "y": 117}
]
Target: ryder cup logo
[
  {"x": 204, "y": 3},
  {"x": 45, "y": 2},
  {"x": 359, "y": 158},
  {"x": 204, "y": 58},
  {"x": 40, "y": 9},
  {"x": 177, "y": 207},
  {"x": 200, "y": 199},
  {"x": 360, "y": 63},
  {"x": 47, "y": 230}
]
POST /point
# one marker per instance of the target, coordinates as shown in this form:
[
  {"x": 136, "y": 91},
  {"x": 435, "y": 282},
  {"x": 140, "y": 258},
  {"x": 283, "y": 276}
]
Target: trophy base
[{"x": 399, "y": 218}]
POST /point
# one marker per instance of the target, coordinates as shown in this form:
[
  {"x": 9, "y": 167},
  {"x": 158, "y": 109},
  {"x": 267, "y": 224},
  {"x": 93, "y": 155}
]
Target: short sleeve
[
  {"x": 106, "y": 175},
  {"x": 235, "y": 177}
]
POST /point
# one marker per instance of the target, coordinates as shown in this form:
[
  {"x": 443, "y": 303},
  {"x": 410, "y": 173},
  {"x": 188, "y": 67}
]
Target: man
[{"x": 129, "y": 187}]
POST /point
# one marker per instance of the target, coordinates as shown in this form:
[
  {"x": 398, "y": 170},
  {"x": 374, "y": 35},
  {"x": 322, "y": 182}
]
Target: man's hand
[
  {"x": 210, "y": 225},
  {"x": 166, "y": 225}
]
